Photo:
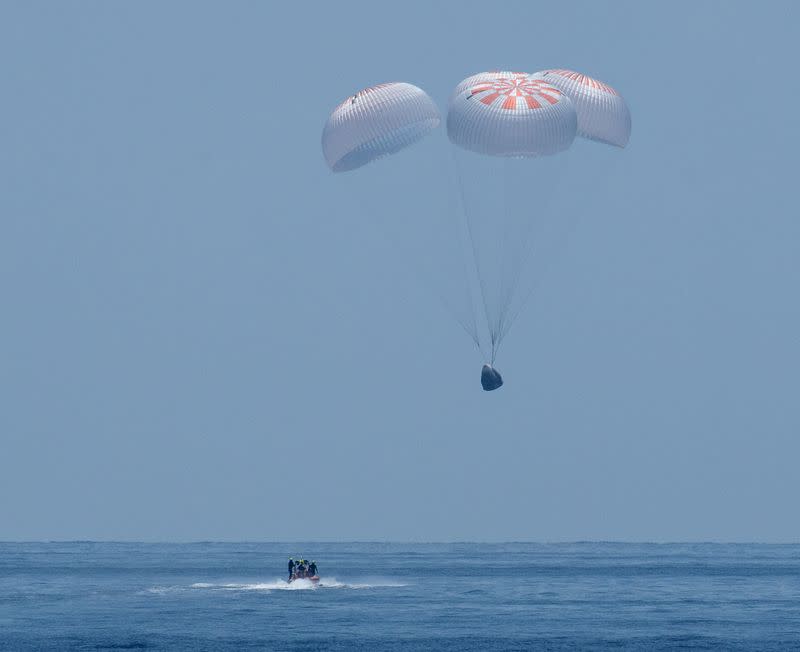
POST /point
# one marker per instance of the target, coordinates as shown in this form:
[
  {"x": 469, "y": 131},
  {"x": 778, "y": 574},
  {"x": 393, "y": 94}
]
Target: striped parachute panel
[
  {"x": 484, "y": 77},
  {"x": 510, "y": 114},
  {"x": 603, "y": 114},
  {"x": 376, "y": 122}
]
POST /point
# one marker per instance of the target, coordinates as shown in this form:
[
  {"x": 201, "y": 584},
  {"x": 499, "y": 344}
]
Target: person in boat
[
  {"x": 312, "y": 569},
  {"x": 291, "y": 569},
  {"x": 300, "y": 571}
]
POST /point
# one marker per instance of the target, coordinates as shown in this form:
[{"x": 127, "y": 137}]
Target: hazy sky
[{"x": 192, "y": 302}]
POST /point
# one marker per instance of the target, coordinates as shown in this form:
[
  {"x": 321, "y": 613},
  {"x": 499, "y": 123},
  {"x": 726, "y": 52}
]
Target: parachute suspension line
[
  {"x": 543, "y": 258},
  {"x": 508, "y": 264},
  {"x": 470, "y": 328},
  {"x": 475, "y": 256},
  {"x": 529, "y": 253},
  {"x": 528, "y": 248},
  {"x": 509, "y": 251},
  {"x": 499, "y": 169},
  {"x": 473, "y": 331},
  {"x": 501, "y": 251},
  {"x": 488, "y": 258},
  {"x": 534, "y": 286},
  {"x": 516, "y": 263},
  {"x": 501, "y": 260}
]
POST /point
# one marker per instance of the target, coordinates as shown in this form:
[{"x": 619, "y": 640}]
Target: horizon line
[{"x": 409, "y": 542}]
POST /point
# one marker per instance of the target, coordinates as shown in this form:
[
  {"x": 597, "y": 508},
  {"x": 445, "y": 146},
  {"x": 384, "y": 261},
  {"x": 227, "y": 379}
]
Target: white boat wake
[{"x": 297, "y": 585}]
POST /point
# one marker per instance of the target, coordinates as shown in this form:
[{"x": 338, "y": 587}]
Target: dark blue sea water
[{"x": 232, "y": 596}]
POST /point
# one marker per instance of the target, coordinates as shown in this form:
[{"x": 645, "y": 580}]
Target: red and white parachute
[
  {"x": 603, "y": 114},
  {"x": 508, "y": 131},
  {"x": 507, "y": 128},
  {"x": 510, "y": 114}
]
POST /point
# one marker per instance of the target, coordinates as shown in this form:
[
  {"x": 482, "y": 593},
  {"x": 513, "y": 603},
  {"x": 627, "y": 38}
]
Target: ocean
[{"x": 393, "y": 596}]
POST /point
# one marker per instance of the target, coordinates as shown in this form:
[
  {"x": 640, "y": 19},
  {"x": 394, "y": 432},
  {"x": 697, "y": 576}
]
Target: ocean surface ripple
[{"x": 383, "y": 596}]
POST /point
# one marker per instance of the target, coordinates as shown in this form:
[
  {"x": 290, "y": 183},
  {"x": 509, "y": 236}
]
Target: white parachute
[
  {"x": 510, "y": 115},
  {"x": 509, "y": 133},
  {"x": 376, "y": 122},
  {"x": 603, "y": 114},
  {"x": 506, "y": 126}
]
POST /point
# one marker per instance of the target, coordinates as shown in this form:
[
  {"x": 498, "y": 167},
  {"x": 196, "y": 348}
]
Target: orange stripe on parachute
[{"x": 532, "y": 103}]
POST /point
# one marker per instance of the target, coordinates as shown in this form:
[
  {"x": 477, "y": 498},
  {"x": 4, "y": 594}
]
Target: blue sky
[{"x": 201, "y": 332}]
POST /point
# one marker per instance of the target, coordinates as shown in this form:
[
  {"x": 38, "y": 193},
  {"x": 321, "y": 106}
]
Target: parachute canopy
[
  {"x": 505, "y": 129},
  {"x": 602, "y": 113},
  {"x": 510, "y": 114},
  {"x": 376, "y": 122}
]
